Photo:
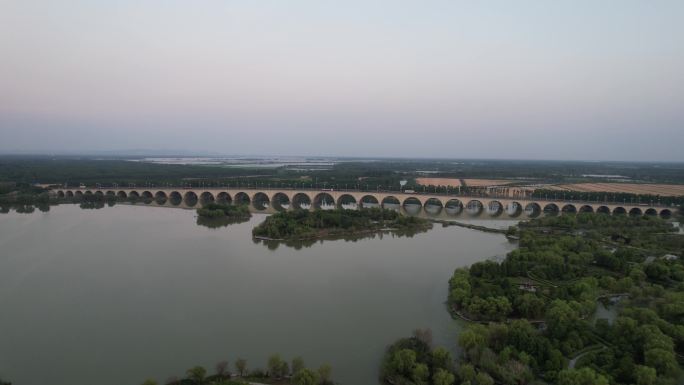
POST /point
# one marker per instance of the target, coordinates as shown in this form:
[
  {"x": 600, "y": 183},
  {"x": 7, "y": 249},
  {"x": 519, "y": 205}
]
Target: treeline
[
  {"x": 278, "y": 371},
  {"x": 534, "y": 309},
  {"x": 305, "y": 224},
  {"x": 597, "y": 196}
]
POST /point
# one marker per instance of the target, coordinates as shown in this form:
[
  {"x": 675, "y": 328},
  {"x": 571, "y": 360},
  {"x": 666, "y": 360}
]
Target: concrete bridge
[{"x": 412, "y": 203}]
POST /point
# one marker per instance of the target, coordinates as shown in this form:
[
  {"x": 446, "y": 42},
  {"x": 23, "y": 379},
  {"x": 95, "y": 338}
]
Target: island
[
  {"x": 319, "y": 224},
  {"x": 215, "y": 215}
]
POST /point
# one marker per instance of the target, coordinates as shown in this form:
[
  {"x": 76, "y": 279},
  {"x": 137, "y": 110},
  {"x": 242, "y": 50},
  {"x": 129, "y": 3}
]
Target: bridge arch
[
  {"x": 391, "y": 202},
  {"x": 190, "y": 199},
  {"x": 453, "y": 207},
  {"x": 206, "y": 198},
  {"x": 635, "y": 212},
  {"x": 88, "y": 192},
  {"x": 533, "y": 210},
  {"x": 110, "y": 194},
  {"x": 122, "y": 195},
  {"x": 494, "y": 208},
  {"x": 160, "y": 197},
  {"x": 412, "y": 205},
  {"x": 147, "y": 196},
  {"x": 223, "y": 198},
  {"x": 368, "y": 201},
  {"x": 619, "y": 211},
  {"x": 651, "y": 212},
  {"x": 665, "y": 213},
  {"x": 551, "y": 209},
  {"x": 474, "y": 207},
  {"x": 70, "y": 194},
  {"x": 281, "y": 201},
  {"x": 603, "y": 210},
  {"x": 433, "y": 206},
  {"x": 301, "y": 201},
  {"x": 586, "y": 209},
  {"x": 175, "y": 198},
  {"x": 569, "y": 209},
  {"x": 241, "y": 198},
  {"x": 347, "y": 201},
  {"x": 60, "y": 194},
  {"x": 99, "y": 193},
  {"x": 260, "y": 201},
  {"x": 324, "y": 201}
]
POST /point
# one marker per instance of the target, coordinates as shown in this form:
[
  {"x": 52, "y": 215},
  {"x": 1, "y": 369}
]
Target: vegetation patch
[
  {"x": 535, "y": 308},
  {"x": 305, "y": 224}
]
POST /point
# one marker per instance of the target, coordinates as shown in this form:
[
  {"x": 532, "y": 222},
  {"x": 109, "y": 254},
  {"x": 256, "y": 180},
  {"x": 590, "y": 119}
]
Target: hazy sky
[{"x": 574, "y": 79}]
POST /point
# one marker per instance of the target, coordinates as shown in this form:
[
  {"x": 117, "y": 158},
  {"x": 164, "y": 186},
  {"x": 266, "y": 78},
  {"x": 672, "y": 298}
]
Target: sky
[{"x": 524, "y": 79}]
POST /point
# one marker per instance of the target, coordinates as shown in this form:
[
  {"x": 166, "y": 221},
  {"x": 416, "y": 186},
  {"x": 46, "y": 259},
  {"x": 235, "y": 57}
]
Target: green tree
[
  {"x": 483, "y": 378},
  {"x": 442, "y": 359},
  {"x": 442, "y": 377},
  {"x": 645, "y": 375},
  {"x": 305, "y": 377},
  {"x": 241, "y": 366},
  {"x": 583, "y": 376},
  {"x": 662, "y": 360},
  {"x": 197, "y": 374},
  {"x": 275, "y": 366},
  {"x": 403, "y": 361}
]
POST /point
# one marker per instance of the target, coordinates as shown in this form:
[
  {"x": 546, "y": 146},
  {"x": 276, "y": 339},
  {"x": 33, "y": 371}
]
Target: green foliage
[
  {"x": 305, "y": 377},
  {"x": 197, "y": 374},
  {"x": 216, "y": 210},
  {"x": 555, "y": 279},
  {"x": 305, "y": 224},
  {"x": 411, "y": 361},
  {"x": 584, "y": 376}
]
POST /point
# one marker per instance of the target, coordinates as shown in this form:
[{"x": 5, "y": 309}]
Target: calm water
[{"x": 125, "y": 293}]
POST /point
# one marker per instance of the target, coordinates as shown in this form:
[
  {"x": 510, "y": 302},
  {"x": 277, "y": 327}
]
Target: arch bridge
[{"x": 412, "y": 203}]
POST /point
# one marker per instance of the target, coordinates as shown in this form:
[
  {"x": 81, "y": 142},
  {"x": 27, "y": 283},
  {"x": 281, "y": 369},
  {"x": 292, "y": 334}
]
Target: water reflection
[
  {"x": 299, "y": 244},
  {"x": 216, "y": 223}
]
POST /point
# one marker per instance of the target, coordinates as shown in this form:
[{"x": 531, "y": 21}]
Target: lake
[{"x": 125, "y": 293}]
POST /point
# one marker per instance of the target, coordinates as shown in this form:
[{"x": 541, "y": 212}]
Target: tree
[
  {"x": 645, "y": 375},
  {"x": 584, "y": 376},
  {"x": 662, "y": 360},
  {"x": 403, "y": 361},
  {"x": 442, "y": 377},
  {"x": 420, "y": 374},
  {"x": 297, "y": 364},
  {"x": 483, "y": 378},
  {"x": 241, "y": 366},
  {"x": 275, "y": 365},
  {"x": 305, "y": 377},
  {"x": 197, "y": 374},
  {"x": 324, "y": 372},
  {"x": 441, "y": 359},
  {"x": 222, "y": 368}
]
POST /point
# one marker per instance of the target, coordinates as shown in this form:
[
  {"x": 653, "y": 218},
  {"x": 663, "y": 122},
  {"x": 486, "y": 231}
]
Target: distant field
[
  {"x": 633, "y": 188},
  {"x": 451, "y": 182},
  {"x": 486, "y": 182}
]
